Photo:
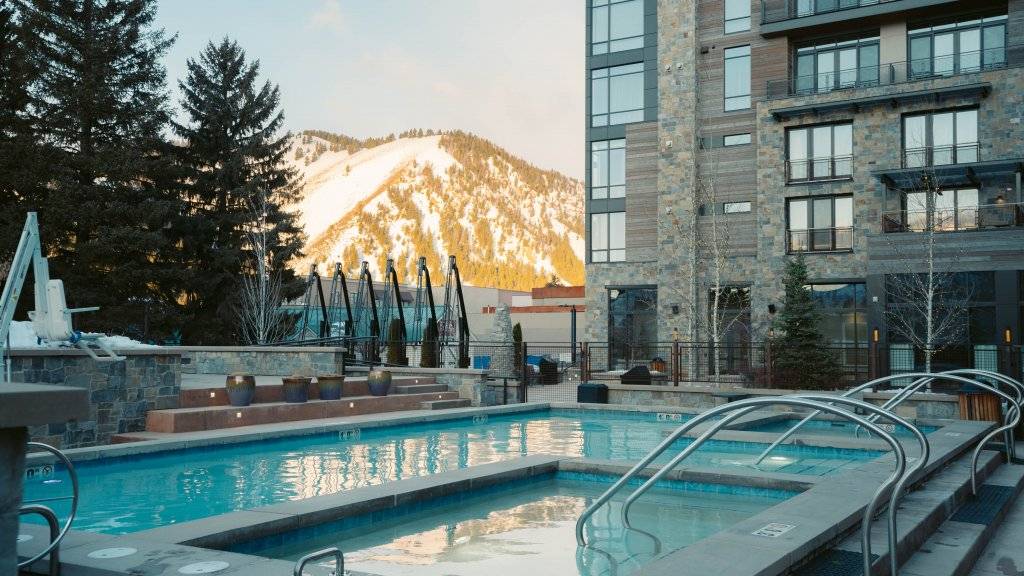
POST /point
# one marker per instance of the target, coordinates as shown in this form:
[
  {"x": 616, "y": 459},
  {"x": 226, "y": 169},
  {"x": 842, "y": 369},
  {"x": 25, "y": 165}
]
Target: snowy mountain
[{"x": 510, "y": 224}]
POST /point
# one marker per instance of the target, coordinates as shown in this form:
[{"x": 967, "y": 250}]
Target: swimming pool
[
  {"x": 129, "y": 494},
  {"x": 529, "y": 522},
  {"x": 831, "y": 428}
]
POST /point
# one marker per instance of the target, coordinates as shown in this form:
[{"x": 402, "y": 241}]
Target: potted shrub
[
  {"x": 330, "y": 386},
  {"x": 241, "y": 389},
  {"x": 296, "y": 388},
  {"x": 379, "y": 382},
  {"x": 396, "y": 344}
]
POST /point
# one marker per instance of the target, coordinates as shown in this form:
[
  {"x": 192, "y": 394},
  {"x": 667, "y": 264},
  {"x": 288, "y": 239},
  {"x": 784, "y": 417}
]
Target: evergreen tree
[
  {"x": 800, "y": 358},
  {"x": 233, "y": 152},
  {"x": 100, "y": 101}
]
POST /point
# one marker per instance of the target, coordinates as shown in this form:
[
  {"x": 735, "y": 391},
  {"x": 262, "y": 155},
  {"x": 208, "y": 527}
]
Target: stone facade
[
  {"x": 120, "y": 393},
  {"x": 263, "y": 361}
]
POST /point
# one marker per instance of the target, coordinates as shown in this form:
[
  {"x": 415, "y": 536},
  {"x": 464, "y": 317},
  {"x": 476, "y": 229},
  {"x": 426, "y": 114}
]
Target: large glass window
[
  {"x": 617, "y": 95},
  {"x": 844, "y": 312},
  {"x": 957, "y": 48},
  {"x": 939, "y": 138},
  {"x": 737, "y": 16},
  {"x": 632, "y": 326},
  {"x": 951, "y": 210},
  {"x": 616, "y": 25},
  {"x": 810, "y": 7},
  {"x": 820, "y": 224},
  {"x": 819, "y": 152},
  {"x": 608, "y": 169},
  {"x": 733, "y": 352},
  {"x": 608, "y": 237},
  {"x": 826, "y": 67},
  {"x": 737, "y": 78}
]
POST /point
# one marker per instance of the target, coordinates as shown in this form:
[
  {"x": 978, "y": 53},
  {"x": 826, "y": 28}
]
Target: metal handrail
[
  {"x": 339, "y": 560},
  {"x": 785, "y": 435},
  {"x": 973, "y": 217},
  {"x": 55, "y": 542},
  {"x": 741, "y": 408},
  {"x": 51, "y": 519}
]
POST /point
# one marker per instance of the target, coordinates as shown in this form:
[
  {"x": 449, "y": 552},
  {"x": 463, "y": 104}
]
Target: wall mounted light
[
  {"x": 874, "y": 335},
  {"x": 1008, "y": 336}
]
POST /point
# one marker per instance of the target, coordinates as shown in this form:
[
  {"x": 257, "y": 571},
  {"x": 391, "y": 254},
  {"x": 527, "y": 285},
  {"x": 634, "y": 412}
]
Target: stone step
[
  {"x": 353, "y": 386},
  {"x": 921, "y": 512},
  {"x": 219, "y": 417},
  {"x": 956, "y": 545},
  {"x": 418, "y": 388},
  {"x": 1003, "y": 553},
  {"x": 445, "y": 404}
]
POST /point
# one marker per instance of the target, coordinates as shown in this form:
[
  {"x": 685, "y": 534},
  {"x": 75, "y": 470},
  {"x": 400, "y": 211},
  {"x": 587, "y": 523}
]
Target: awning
[{"x": 968, "y": 174}]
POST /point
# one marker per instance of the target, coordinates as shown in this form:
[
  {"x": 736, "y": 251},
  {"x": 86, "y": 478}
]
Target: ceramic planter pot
[
  {"x": 241, "y": 389},
  {"x": 330, "y": 386},
  {"x": 296, "y": 389},
  {"x": 379, "y": 382}
]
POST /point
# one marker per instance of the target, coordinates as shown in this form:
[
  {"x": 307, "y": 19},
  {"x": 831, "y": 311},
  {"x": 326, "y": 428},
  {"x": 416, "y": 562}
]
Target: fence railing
[
  {"x": 978, "y": 217},
  {"x": 920, "y": 157},
  {"x": 779, "y": 10},
  {"x": 825, "y": 168},
  {"x": 820, "y": 240}
]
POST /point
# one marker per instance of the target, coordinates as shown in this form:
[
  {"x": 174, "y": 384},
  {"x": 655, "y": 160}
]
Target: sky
[{"x": 508, "y": 70}]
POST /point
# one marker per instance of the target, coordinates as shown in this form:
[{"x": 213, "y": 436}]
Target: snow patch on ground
[{"x": 23, "y": 335}]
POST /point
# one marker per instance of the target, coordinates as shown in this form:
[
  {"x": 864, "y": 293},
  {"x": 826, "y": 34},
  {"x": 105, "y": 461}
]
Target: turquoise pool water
[
  {"x": 831, "y": 428},
  {"x": 125, "y": 495},
  {"x": 530, "y": 524}
]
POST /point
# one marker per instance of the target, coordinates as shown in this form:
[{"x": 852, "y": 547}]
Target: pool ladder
[
  {"x": 894, "y": 485},
  {"x": 339, "y": 561},
  {"x": 57, "y": 533}
]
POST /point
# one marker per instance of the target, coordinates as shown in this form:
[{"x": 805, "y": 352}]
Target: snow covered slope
[{"x": 509, "y": 223}]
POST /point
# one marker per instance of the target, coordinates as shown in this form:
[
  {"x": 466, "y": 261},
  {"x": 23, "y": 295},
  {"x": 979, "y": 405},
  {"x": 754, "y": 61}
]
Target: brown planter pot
[
  {"x": 330, "y": 386},
  {"x": 241, "y": 389}
]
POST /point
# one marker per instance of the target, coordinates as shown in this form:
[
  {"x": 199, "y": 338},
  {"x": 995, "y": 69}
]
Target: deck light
[
  {"x": 213, "y": 394},
  {"x": 238, "y": 414},
  {"x": 351, "y": 404}
]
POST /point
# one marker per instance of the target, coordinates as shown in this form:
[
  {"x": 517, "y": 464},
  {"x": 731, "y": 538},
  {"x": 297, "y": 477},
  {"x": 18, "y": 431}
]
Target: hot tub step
[{"x": 445, "y": 404}]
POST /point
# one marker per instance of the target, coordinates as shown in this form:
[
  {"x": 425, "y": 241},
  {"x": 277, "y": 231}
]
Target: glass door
[
  {"x": 970, "y": 50},
  {"x": 944, "y": 54}
]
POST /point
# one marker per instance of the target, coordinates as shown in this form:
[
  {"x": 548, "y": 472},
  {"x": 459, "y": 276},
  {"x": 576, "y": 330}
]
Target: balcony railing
[
  {"x": 820, "y": 240},
  {"x": 812, "y": 169},
  {"x": 941, "y": 155},
  {"x": 779, "y": 10},
  {"x": 981, "y": 217},
  {"x": 888, "y": 74}
]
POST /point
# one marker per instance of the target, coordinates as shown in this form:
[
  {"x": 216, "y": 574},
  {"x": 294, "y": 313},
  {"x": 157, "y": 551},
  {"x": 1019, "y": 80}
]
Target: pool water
[
  {"x": 832, "y": 428},
  {"x": 124, "y": 495},
  {"x": 532, "y": 525}
]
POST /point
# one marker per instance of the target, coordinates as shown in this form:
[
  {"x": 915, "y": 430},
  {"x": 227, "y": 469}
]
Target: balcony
[
  {"x": 979, "y": 217},
  {"x": 820, "y": 240},
  {"x": 783, "y": 16},
  {"x": 931, "y": 156},
  {"x": 819, "y": 169},
  {"x": 853, "y": 79}
]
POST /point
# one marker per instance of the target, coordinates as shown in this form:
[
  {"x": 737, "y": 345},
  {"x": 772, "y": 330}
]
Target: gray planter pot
[
  {"x": 330, "y": 386},
  {"x": 379, "y": 382},
  {"x": 241, "y": 389},
  {"x": 296, "y": 390}
]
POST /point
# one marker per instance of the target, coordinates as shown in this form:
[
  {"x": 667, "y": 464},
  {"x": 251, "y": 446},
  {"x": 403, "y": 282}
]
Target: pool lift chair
[
  {"x": 892, "y": 487},
  {"x": 52, "y": 318}
]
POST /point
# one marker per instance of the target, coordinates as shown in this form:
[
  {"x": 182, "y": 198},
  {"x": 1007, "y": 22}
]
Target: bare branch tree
[
  {"x": 261, "y": 319},
  {"x": 927, "y": 307}
]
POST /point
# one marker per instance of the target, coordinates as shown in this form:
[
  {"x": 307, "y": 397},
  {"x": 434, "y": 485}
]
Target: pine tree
[
  {"x": 101, "y": 104},
  {"x": 800, "y": 357},
  {"x": 233, "y": 152}
]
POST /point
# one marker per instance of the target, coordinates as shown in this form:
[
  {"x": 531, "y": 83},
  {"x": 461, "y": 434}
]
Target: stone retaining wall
[
  {"x": 120, "y": 393},
  {"x": 263, "y": 361}
]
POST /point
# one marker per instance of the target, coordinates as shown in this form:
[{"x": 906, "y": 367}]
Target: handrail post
[
  {"x": 339, "y": 560},
  {"x": 55, "y": 536}
]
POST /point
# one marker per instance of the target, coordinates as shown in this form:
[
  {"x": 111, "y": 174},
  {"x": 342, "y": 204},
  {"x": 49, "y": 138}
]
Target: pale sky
[{"x": 511, "y": 71}]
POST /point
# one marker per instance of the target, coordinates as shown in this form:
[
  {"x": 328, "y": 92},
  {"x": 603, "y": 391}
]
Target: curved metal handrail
[
  {"x": 815, "y": 413},
  {"x": 744, "y": 407},
  {"x": 339, "y": 560},
  {"x": 51, "y": 520},
  {"x": 826, "y": 401},
  {"x": 55, "y": 542}
]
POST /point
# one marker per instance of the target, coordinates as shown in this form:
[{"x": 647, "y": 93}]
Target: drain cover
[
  {"x": 108, "y": 553},
  {"x": 208, "y": 567},
  {"x": 24, "y": 537}
]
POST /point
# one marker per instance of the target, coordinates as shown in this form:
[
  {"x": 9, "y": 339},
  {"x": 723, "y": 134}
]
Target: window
[
  {"x": 940, "y": 138},
  {"x": 964, "y": 303},
  {"x": 822, "y": 224},
  {"x": 733, "y": 312},
  {"x": 844, "y": 321},
  {"x": 736, "y": 207},
  {"x": 632, "y": 325},
  {"x": 737, "y": 78},
  {"x": 608, "y": 169},
  {"x": 951, "y": 210},
  {"x": 736, "y": 140},
  {"x": 819, "y": 153},
  {"x": 617, "y": 25},
  {"x": 826, "y": 67},
  {"x": 608, "y": 237},
  {"x": 617, "y": 95},
  {"x": 737, "y": 16},
  {"x": 811, "y": 7},
  {"x": 957, "y": 48}
]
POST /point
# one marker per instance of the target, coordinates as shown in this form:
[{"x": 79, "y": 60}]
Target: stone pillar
[{"x": 12, "y": 470}]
